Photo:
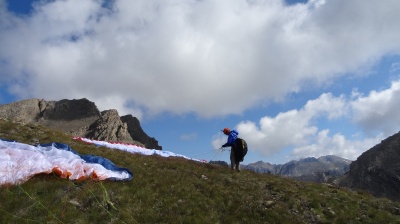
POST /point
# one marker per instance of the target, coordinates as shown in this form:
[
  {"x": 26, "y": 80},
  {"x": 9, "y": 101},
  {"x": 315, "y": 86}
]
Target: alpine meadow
[{"x": 176, "y": 190}]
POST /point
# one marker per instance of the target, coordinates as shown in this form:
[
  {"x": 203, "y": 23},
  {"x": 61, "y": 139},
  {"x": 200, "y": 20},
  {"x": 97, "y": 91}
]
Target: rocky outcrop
[
  {"x": 25, "y": 111},
  {"x": 137, "y": 133},
  {"x": 68, "y": 110},
  {"x": 377, "y": 170},
  {"x": 80, "y": 118},
  {"x": 68, "y": 115},
  {"x": 109, "y": 127}
]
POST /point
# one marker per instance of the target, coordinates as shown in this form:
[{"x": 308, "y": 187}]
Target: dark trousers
[{"x": 235, "y": 162}]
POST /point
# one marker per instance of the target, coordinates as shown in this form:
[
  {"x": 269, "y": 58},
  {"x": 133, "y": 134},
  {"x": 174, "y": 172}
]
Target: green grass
[{"x": 175, "y": 190}]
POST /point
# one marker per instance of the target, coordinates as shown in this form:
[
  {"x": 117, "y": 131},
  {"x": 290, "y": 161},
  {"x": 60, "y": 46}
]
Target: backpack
[{"x": 241, "y": 149}]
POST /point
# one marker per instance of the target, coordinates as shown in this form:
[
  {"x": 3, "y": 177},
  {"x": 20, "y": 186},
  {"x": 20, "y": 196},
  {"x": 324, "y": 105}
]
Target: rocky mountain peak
[
  {"x": 137, "y": 133},
  {"x": 109, "y": 127}
]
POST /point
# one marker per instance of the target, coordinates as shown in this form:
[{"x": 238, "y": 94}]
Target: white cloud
[
  {"x": 332, "y": 107},
  {"x": 292, "y": 128},
  {"x": 218, "y": 140},
  {"x": 191, "y": 56},
  {"x": 379, "y": 111},
  {"x": 337, "y": 145}
]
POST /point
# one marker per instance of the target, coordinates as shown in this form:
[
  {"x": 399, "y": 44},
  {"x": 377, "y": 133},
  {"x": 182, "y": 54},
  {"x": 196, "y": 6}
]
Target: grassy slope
[{"x": 174, "y": 190}]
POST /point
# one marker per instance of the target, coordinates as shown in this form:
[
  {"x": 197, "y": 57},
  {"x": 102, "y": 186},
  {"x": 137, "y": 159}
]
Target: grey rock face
[
  {"x": 70, "y": 116},
  {"x": 22, "y": 111},
  {"x": 137, "y": 133},
  {"x": 68, "y": 110},
  {"x": 80, "y": 118},
  {"x": 377, "y": 170},
  {"x": 109, "y": 127}
]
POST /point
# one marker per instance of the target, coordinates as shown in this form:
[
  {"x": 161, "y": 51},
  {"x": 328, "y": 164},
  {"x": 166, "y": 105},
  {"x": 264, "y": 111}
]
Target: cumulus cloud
[
  {"x": 337, "y": 145},
  {"x": 291, "y": 128},
  {"x": 191, "y": 56},
  {"x": 379, "y": 111}
]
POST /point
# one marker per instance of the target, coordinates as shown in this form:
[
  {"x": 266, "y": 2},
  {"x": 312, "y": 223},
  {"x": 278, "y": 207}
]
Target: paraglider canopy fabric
[
  {"x": 134, "y": 148},
  {"x": 19, "y": 162}
]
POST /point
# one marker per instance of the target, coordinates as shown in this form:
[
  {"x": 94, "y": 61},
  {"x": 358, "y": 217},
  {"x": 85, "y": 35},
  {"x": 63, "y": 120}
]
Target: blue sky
[{"x": 295, "y": 78}]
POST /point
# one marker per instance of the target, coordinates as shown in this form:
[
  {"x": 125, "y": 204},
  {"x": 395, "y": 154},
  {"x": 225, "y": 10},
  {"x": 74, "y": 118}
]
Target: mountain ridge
[
  {"x": 79, "y": 117},
  {"x": 321, "y": 169}
]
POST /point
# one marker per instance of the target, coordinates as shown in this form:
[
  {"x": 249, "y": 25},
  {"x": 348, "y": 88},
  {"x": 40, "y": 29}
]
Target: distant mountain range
[{"x": 321, "y": 169}]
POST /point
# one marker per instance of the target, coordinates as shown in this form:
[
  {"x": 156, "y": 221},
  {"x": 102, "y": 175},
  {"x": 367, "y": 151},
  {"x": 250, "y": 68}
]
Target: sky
[{"x": 295, "y": 78}]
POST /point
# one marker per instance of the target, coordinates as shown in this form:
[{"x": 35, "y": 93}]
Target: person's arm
[{"x": 229, "y": 142}]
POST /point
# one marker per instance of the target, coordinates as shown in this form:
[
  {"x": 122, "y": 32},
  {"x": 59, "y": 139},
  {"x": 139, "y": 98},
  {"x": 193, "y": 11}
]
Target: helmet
[{"x": 226, "y": 131}]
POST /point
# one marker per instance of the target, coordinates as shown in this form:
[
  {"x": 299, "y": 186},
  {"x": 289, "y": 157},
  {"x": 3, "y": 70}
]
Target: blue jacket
[{"x": 231, "y": 138}]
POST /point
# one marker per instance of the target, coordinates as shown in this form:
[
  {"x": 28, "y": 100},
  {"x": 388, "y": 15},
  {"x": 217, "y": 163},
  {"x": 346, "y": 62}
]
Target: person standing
[{"x": 235, "y": 158}]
